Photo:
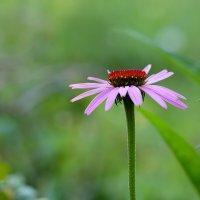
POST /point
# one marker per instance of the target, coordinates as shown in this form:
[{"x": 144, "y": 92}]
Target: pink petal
[
  {"x": 88, "y": 93},
  {"x": 88, "y": 85},
  {"x": 97, "y": 101},
  {"x": 165, "y": 91},
  {"x": 97, "y": 80},
  {"x": 171, "y": 91},
  {"x": 161, "y": 92},
  {"x": 154, "y": 96},
  {"x": 176, "y": 103},
  {"x": 166, "y": 97},
  {"x": 123, "y": 91},
  {"x": 135, "y": 95},
  {"x": 147, "y": 69},
  {"x": 157, "y": 74},
  {"x": 159, "y": 78},
  {"x": 111, "y": 98}
]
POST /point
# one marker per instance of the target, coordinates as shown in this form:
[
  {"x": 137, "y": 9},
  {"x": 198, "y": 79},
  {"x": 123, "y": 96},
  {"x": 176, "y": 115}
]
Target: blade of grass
[
  {"x": 183, "y": 151},
  {"x": 187, "y": 69}
]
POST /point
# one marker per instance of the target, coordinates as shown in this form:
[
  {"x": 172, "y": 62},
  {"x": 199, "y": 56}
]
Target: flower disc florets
[{"x": 127, "y": 78}]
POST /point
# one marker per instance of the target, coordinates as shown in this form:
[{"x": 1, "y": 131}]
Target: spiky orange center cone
[{"x": 127, "y": 78}]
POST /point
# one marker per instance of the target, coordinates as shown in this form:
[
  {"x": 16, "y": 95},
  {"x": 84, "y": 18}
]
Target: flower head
[{"x": 132, "y": 83}]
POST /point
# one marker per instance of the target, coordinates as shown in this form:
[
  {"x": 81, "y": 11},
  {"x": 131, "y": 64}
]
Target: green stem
[{"x": 130, "y": 117}]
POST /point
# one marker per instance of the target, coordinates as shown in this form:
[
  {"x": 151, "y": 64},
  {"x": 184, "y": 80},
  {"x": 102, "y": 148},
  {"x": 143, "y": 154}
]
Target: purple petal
[
  {"x": 161, "y": 92},
  {"x": 166, "y": 97},
  {"x": 135, "y": 95},
  {"x": 176, "y": 103},
  {"x": 111, "y": 98},
  {"x": 88, "y": 85},
  {"x": 147, "y": 69},
  {"x": 123, "y": 91},
  {"x": 159, "y": 78},
  {"x": 97, "y": 80},
  {"x": 175, "y": 93},
  {"x": 165, "y": 91},
  {"x": 154, "y": 96},
  {"x": 97, "y": 101},
  {"x": 88, "y": 93},
  {"x": 157, "y": 74}
]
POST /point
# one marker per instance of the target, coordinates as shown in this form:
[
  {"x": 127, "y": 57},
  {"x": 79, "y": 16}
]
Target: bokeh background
[{"x": 52, "y": 150}]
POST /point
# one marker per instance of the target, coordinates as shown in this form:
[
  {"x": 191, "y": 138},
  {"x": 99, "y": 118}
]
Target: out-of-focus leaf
[
  {"x": 184, "y": 152},
  {"x": 4, "y": 169},
  {"x": 188, "y": 68},
  {"x": 5, "y": 195}
]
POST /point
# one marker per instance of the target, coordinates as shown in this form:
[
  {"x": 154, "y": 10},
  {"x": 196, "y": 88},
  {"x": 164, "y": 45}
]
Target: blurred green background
[{"x": 55, "y": 152}]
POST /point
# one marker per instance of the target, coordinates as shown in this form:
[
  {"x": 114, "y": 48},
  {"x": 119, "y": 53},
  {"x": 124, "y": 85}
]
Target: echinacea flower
[
  {"x": 134, "y": 83},
  {"x": 131, "y": 87}
]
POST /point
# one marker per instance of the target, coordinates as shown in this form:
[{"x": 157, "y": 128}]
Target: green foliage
[
  {"x": 14, "y": 187},
  {"x": 184, "y": 152},
  {"x": 46, "y": 45},
  {"x": 4, "y": 169}
]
